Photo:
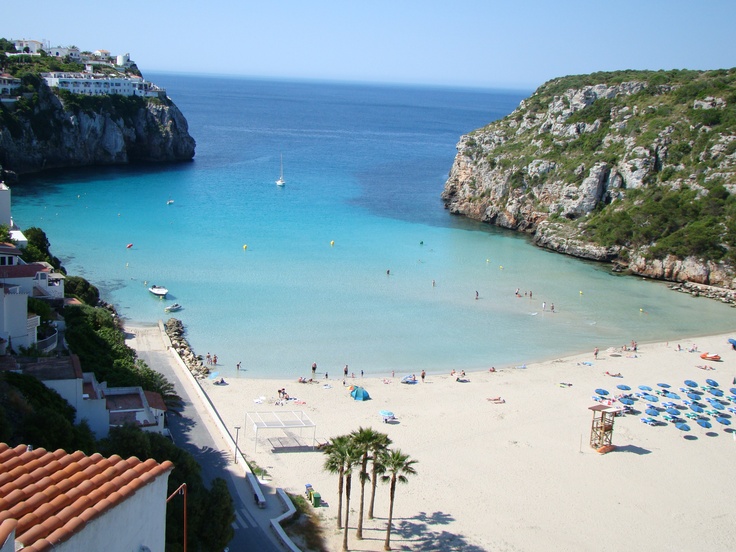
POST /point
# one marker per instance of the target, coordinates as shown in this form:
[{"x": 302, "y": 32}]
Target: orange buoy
[{"x": 129, "y": 245}]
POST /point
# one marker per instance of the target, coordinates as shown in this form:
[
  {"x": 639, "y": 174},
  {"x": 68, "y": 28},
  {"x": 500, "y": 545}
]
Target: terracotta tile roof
[
  {"x": 23, "y": 271},
  {"x": 52, "y": 495},
  {"x": 155, "y": 400}
]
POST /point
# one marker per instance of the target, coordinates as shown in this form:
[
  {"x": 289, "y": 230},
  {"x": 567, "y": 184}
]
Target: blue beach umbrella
[
  {"x": 733, "y": 390},
  {"x": 601, "y": 392},
  {"x": 717, "y": 405},
  {"x": 652, "y": 411},
  {"x": 696, "y": 408},
  {"x": 626, "y": 401},
  {"x": 693, "y": 396},
  {"x": 664, "y": 385},
  {"x": 645, "y": 388},
  {"x": 623, "y": 387},
  {"x": 724, "y": 421},
  {"x": 671, "y": 395},
  {"x": 673, "y": 411},
  {"x": 714, "y": 383},
  {"x": 705, "y": 423},
  {"x": 682, "y": 427},
  {"x": 386, "y": 413},
  {"x": 716, "y": 392},
  {"x": 690, "y": 383},
  {"x": 651, "y": 398}
]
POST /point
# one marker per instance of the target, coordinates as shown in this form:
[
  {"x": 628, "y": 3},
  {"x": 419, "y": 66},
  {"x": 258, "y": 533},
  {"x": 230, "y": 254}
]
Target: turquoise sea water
[{"x": 365, "y": 166}]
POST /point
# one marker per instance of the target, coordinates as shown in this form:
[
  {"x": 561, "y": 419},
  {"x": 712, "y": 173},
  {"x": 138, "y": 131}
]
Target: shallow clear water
[{"x": 364, "y": 167}]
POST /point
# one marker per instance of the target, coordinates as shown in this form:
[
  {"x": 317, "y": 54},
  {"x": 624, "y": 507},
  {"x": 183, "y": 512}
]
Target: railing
[{"x": 48, "y": 344}]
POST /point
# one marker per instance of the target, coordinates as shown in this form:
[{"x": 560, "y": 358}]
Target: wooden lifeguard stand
[{"x": 601, "y": 430}]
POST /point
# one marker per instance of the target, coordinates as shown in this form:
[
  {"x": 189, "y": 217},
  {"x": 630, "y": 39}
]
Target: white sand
[{"x": 519, "y": 475}]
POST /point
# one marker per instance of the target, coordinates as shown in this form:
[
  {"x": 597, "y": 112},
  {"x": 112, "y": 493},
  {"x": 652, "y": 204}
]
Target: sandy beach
[{"x": 517, "y": 475}]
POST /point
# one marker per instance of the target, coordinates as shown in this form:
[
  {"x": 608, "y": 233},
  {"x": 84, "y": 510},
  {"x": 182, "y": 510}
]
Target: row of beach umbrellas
[{"x": 693, "y": 391}]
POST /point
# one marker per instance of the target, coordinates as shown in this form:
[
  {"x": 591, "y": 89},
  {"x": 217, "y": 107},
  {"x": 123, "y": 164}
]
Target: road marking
[
  {"x": 247, "y": 515},
  {"x": 240, "y": 520}
]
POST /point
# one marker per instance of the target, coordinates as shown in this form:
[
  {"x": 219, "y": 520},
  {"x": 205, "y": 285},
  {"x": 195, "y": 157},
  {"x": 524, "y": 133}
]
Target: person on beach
[
  {"x": 209, "y": 359},
  {"x": 214, "y": 360},
  {"x": 595, "y": 353},
  {"x": 326, "y": 375},
  {"x": 314, "y": 370},
  {"x": 544, "y": 305},
  {"x": 476, "y": 295},
  {"x": 237, "y": 366},
  {"x": 423, "y": 374},
  {"x": 345, "y": 371},
  {"x": 552, "y": 307}
]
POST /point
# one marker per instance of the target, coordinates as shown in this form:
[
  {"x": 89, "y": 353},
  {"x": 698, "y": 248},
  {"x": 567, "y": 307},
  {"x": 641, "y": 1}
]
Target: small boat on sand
[
  {"x": 172, "y": 308},
  {"x": 158, "y": 291},
  {"x": 710, "y": 356}
]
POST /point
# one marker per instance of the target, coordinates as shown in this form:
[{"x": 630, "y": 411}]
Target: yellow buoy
[
  {"x": 245, "y": 247},
  {"x": 501, "y": 267},
  {"x": 488, "y": 260},
  {"x": 332, "y": 243},
  {"x": 581, "y": 293}
]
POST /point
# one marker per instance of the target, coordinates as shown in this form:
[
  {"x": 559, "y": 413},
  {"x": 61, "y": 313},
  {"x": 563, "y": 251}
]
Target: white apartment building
[{"x": 100, "y": 85}]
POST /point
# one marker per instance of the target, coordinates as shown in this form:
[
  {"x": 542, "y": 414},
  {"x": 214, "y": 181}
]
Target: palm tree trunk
[
  {"x": 348, "y": 484},
  {"x": 339, "y": 499},
  {"x": 373, "y": 492},
  {"x": 387, "y": 544},
  {"x": 363, "y": 475}
]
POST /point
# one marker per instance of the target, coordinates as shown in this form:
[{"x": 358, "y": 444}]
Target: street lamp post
[
  {"x": 237, "y": 430},
  {"x": 182, "y": 490}
]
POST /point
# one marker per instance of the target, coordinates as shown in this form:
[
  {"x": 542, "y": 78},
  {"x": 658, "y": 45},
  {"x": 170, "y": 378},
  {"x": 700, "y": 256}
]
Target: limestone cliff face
[
  {"x": 578, "y": 150},
  {"x": 44, "y": 133}
]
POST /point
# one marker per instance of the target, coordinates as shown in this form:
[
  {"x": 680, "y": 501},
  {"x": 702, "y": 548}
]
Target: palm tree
[
  {"x": 379, "y": 447},
  {"x": 366, "y": 440},
  {"x": 336, "y": 452},
  {"x": 398, "y": 465},
  {"x": 352, "y": 459}
]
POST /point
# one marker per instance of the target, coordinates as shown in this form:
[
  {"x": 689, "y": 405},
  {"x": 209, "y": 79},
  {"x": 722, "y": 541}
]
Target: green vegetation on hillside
[{"x": 668, "y": 136}]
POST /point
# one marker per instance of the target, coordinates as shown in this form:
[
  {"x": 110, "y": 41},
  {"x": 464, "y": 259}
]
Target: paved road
[{"x": 195, "y": 433}]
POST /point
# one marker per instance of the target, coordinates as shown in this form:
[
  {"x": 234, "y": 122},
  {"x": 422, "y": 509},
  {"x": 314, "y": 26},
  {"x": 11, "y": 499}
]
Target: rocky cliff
[
  {"x": 634, "y": 168},
  {"x": 45, "y": 131}
]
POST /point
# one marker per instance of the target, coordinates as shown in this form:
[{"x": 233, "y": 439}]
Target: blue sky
[{"x": 476, "y": 43}]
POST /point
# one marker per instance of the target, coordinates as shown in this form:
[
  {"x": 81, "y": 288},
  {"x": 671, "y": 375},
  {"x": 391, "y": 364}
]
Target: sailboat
[{"x": 281, "y": 181}]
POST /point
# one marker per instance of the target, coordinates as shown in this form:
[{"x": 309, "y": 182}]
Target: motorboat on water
[
  {"x": 158, "y": 291},
  {"x": 172, "y": 308},
  {"x": 281, "y": 181}
]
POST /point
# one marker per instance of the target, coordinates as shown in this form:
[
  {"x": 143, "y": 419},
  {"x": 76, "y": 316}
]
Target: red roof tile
[{"x": 49, "y": 496}]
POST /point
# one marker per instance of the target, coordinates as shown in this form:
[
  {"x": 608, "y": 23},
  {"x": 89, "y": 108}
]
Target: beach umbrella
[
  {"x": 690, "y": 383},
  {"x": 732, "y": 341},
  {"x": 671, "y": 395},
  {"x": 714, "y": 383},
  {"x": 705, "y": 423},
  {"x": 696, "y": 408},
  {"x": 651, "y": 398},
  {"x": 623, "y": 387},
  {"x": 645, "y": 388},
  {"x": 213, "y": 375},
  {"x": 693, "y": 396},
  {"x": 717, "y": 405},
  {"x": 652, "y": 411},
  {"x": 724, "y": 421},
  {"x": 601, "y": 392},
  {"x": 716, "y": 392},
  {"x": 626, "y": 401},
  {"x": 673, "y": 411},
  {"x": 733, "y": 390},
  {"x": 682, "y": 427},
  {"x": 664, "y": 385}
]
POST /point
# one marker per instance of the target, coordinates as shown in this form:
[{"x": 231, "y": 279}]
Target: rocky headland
[{"x": 634, "y": 168}]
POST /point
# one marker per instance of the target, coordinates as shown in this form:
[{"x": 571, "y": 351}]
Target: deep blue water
[{"x": 365, "y": 166}]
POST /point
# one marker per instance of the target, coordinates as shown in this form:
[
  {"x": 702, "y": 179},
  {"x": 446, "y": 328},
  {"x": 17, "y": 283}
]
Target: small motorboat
[
  {"x": 129, "y": 246},
  {"x": 170, "y": 202},
  {"x": 173, "y": 308},
  {"x": 158, "y": 291},
  {"x": 710, "y": 356}
]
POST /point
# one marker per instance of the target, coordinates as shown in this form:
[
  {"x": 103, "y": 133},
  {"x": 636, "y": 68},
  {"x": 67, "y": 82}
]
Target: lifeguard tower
[{"x": 601, "y": 430}]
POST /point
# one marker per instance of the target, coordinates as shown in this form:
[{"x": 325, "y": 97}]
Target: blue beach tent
[{"x": 359, "y": 394}]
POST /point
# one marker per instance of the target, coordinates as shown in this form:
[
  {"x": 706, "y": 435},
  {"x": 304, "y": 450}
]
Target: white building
[
  {"x": 100, "y": 85},
  {"x": 72, "y": 502},
  {"x": 34, "y": 46},
  {"x": 61, "y": 52},
  {"x": 8, "y": 84}
]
